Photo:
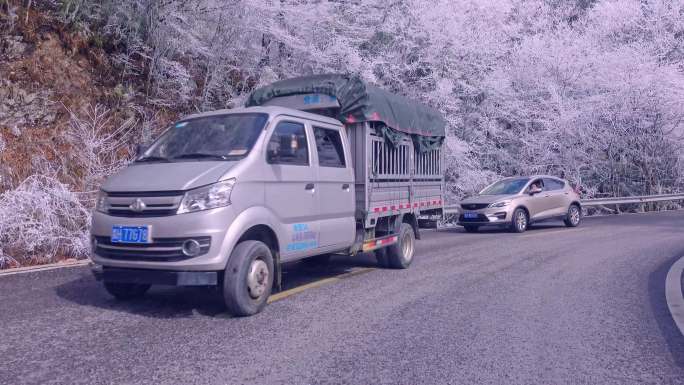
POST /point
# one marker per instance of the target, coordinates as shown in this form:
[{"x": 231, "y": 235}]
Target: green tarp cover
[{"x": 360, "y": 102}]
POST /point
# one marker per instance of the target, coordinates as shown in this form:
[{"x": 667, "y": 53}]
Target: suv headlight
[
  {"x": 101, "y": 202},
  {"x": 500, "y": 204},
  {"x": 207, "y": 197}
]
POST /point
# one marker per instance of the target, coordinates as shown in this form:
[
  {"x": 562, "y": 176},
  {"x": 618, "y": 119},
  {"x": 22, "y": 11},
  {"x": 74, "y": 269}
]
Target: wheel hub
[
  {"x": 521, "y": 220},
  {"x": 574, "y": 215},
  {"x": 407, "y": 247},
  {"x": 257, "y": 278}
]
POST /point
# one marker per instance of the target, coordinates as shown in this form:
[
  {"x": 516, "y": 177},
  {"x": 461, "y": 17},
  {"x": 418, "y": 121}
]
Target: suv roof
[
  {"x": 271, "y": 110},
  {"x": 532, "y": 177}
]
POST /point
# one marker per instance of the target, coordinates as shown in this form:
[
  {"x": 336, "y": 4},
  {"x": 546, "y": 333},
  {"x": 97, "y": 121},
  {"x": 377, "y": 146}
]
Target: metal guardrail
[
  {"x": 634, "y": 199},
  {"x": 455, "y": 208}
]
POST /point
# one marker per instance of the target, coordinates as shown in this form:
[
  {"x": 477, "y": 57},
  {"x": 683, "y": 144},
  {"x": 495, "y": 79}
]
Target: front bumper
[
  {"x": 211, "y": 225},
  {"x": 155, "y": 277},
  {"x": 495, "y": 216}
]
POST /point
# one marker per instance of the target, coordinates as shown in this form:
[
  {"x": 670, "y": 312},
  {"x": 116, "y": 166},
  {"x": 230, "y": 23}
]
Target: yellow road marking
[{"x": 296, "y": 290}]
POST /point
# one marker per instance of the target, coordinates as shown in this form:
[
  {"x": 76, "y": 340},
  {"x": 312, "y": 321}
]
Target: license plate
[
  {"x": 130, "y": 234},
  {"x": 470, "y": 215}
]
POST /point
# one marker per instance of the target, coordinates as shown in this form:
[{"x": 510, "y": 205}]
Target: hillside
[{"x": 585, "y": 89}]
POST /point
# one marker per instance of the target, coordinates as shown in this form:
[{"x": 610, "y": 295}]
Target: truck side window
[
  {"x": 330, "y": 148},
  {"x": 288, "y": 145}
]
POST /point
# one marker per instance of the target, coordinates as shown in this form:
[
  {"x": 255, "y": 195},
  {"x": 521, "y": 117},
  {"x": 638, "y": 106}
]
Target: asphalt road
[{"x": 551, "y": 306}]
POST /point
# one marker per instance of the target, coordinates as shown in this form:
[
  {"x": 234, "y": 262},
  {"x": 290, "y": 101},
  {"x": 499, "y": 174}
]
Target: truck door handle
[
  {"x": 309, "y": 186},
  {"x": 345, "y": 186}
]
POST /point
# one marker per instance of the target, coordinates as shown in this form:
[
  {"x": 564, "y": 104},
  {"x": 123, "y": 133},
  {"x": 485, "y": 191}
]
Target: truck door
[
  {"x": 335, "y": 183},
  {"x": 290, "y": 190}
]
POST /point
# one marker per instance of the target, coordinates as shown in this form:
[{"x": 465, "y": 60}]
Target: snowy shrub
[
  {"x": 42, "y": 220},
  {"x": 99, "y": 149},
  {"x": 174, "y": 84}
]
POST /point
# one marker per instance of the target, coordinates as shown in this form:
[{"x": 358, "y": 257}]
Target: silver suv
[{"x": 517, "y": 202}]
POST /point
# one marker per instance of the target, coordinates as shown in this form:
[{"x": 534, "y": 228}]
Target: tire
[
  {"x": 126, "y": 291},
  {"x": 381, "y": 256},
  {"x": 318, "y": 260},
  {"x": 574, "y": 216},
  {"x": 471, "y": 228},
  {"x": 520, "y": 221},
  {"x": 248, "y": 278},
  {"x": 400, "y": 254}
]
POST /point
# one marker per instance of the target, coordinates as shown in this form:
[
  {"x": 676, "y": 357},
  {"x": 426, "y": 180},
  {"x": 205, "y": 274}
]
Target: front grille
[
  {"x": 161, "y": 250},
  {"x": 136, "y": 194},
  {"x": 474, "y": 206},
  {"x": 154, "y": 203},
  {"x": 142, "y": 214}
]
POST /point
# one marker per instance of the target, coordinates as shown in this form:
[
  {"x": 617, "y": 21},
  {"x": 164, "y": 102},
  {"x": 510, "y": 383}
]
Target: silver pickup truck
[{"x": 225, "y": 197}]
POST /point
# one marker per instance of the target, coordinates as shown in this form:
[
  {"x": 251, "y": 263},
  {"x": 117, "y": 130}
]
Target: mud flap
[
  {"x": 277, "y": 266},
  {"x": 411, "y": 221}
]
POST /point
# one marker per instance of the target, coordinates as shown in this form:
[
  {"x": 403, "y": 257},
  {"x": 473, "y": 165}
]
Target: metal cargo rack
[{"x": 394, "y": 179}]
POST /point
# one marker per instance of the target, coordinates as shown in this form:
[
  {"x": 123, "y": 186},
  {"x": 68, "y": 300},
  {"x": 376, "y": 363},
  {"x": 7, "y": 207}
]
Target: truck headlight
[
  {"x": 500, "y": 204},
  {"x": 207, "y": 197},
  {"x": 101, "y": 202}
]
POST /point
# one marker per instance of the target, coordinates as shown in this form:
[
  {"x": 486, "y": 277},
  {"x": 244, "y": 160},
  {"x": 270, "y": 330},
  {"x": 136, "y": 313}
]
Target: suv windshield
[
  {"x": 505, "y": 187},
  {"x": 221, "y": 137}
]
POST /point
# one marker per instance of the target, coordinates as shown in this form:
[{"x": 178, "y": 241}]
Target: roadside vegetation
[{"x": 589, "y": 90}]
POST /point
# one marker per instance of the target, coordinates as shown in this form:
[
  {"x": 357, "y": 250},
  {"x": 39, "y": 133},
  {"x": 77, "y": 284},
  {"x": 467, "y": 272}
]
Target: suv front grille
[
  {"x": 161, "y": 250},
  {"x": 474, "y": 206}
]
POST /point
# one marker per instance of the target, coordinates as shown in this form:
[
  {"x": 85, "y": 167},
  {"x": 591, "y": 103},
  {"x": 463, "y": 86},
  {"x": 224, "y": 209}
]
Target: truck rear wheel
[
  {"x": 248, "y": 278},
  {"x": 400, "y": 254},
  {"x": 125, "y": 291}
]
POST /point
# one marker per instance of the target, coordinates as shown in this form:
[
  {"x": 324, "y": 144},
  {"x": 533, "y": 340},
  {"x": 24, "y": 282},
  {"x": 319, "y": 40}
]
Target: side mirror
[
  {"x": 140, "y": 149},
  {"x": 272, "y": 151}
]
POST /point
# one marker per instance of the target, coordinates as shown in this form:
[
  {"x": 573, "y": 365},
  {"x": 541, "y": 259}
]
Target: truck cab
[{"x": 223, "y": 198}]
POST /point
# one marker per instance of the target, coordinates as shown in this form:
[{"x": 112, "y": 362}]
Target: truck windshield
[
  {"x": 221, "y": 137},
  {"x": 505, "y": 187}
]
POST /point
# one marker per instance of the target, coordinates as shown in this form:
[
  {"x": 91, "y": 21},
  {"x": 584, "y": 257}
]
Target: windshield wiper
[
  {"x": 201, "y": 155},
  {"x": 153, "y": 159}
]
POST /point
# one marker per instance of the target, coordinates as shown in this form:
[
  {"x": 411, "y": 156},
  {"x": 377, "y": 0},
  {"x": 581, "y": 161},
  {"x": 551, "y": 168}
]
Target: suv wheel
[
  {"x": 248, "y": 278},
  {"x": 574, "y": 216},
  {"x": 520, "y": 221}
]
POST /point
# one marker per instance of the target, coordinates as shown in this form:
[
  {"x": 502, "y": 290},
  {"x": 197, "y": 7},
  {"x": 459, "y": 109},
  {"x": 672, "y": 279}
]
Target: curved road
[{"x": 551, "y": 306}]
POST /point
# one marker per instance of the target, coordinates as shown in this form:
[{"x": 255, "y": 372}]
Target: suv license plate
[
  {"x": 470, "y": 215},
  {"x": 130, "y": 234}
]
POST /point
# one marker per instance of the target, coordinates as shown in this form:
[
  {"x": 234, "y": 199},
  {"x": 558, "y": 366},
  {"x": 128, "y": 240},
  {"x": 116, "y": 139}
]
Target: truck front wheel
[
  {"x": 400, "y": 254},
  {"x": 248, "y": 278}
]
